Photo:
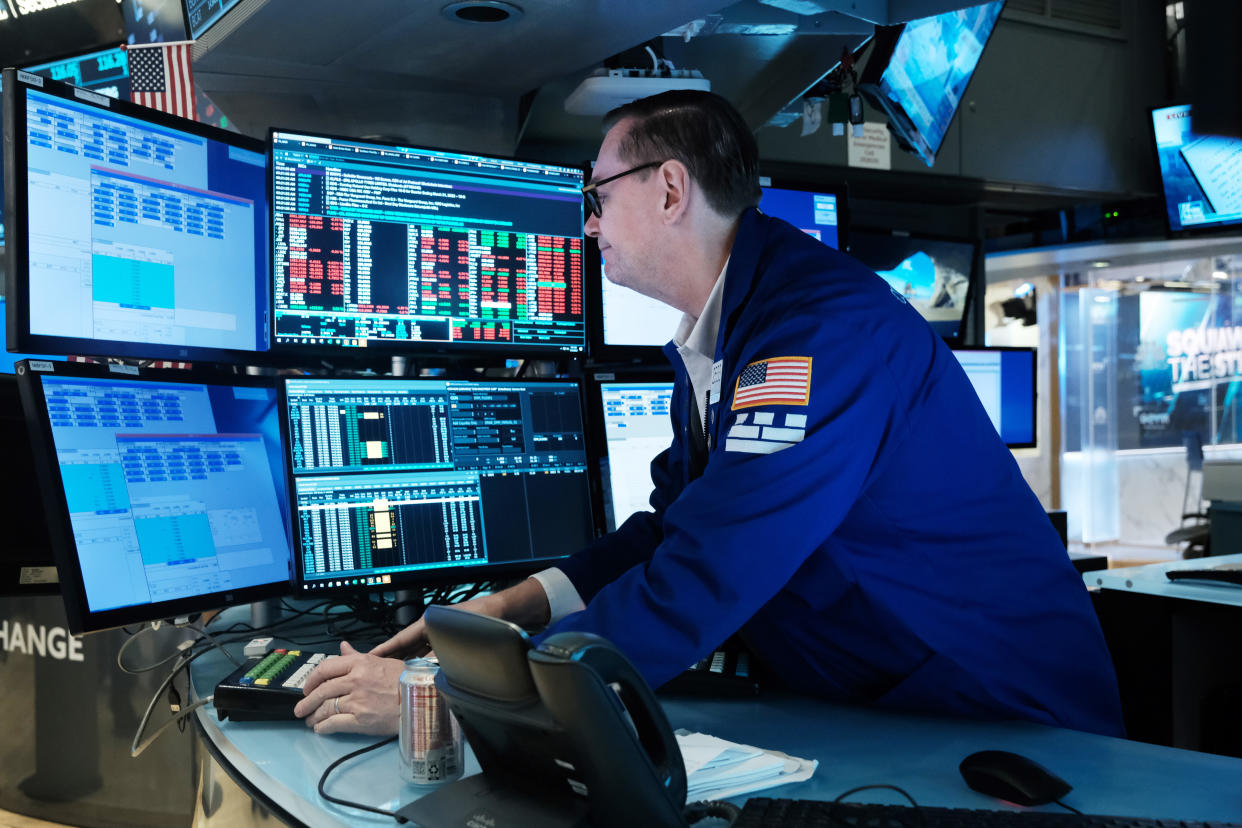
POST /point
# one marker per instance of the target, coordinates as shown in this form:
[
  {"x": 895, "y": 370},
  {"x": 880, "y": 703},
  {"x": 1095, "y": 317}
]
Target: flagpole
[{"x": 165, "y": 43}]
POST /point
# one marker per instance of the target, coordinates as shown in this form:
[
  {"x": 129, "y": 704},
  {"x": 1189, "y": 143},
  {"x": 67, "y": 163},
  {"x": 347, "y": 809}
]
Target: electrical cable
[
  {"x": 697, "y": 811},
  {"x": 917, "y": 808},
  {"x": 136, "y": 749},
  {"x": 338, "y": 801},
  {"x": 1069, "y": 808}
]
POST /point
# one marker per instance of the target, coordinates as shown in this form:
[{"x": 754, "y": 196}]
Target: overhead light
[
  {"x": 1220, "y": 274},
  {"x": 1100, "y": 263},
  {"x": 483, "y": 11},
  {"x": 1023, "y": 289},
  {"x": 1140, "y": 278}
]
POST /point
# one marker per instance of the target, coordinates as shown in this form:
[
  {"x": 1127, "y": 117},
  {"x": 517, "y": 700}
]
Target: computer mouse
[{"x": 1012, "y": 778}]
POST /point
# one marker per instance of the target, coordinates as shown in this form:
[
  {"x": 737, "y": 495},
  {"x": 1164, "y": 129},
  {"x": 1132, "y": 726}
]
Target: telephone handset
[{"x": 568, "y": 734}]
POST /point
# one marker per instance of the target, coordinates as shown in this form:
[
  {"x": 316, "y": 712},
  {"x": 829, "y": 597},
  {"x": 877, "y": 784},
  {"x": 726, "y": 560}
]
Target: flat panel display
[
  {"x": 637, "y": 427},
  {"x": 1004, "y": 379},
  {"x": 918, "y": 73},
  {"x": 165, "y": 494},
  {"x": 398, "y": 248},
  {"x": 132, "y": 233},
  {"x": 401, "y": 482},
  {"x": 629, "y": 319},
  {"x": 201, "y": 15},
  {"x": 935, "y": 275},
  {"x": 1201, "y": 174}
]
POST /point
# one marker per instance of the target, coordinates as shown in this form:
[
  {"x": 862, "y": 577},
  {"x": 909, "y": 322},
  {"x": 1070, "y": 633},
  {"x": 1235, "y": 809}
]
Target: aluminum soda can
[{"x": 431, "y": 746}]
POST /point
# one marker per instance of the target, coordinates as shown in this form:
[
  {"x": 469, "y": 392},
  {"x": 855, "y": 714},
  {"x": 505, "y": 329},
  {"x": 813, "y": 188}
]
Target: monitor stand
[
  {"x": 409, "y": 605},
  {"x": 264, "y": 613}
]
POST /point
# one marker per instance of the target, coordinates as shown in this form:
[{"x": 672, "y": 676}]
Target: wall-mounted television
[
  {"x": 936, "y": 275},
  {"x": 1201, "y": 174},
  {"x": 919, "y": 71}
]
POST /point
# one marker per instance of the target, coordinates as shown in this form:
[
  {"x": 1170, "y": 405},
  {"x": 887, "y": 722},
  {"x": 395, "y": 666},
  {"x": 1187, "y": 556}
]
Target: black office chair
[{"x": 1195, "y": 528}]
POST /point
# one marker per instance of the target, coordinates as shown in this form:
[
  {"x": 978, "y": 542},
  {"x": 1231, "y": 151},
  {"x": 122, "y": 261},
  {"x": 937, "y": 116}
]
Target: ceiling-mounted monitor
[
  {"x": 918, "y": 72},
  {"x": 1201, "y": 174},
  {"x": 201, "y": 15},
  {"x": 378, "y": 247},
  {"x": 131, "y": 233}
]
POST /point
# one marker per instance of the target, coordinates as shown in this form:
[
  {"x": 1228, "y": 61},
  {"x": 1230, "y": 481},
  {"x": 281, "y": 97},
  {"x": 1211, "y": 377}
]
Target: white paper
[{"x": 718, "y": 769}]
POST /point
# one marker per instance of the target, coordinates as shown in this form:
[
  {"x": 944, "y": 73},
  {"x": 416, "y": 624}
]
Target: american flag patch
[{"x": 776, "y": 381}]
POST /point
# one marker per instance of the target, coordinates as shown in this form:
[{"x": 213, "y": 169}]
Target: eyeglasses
[{"x": 591, "y": 197}]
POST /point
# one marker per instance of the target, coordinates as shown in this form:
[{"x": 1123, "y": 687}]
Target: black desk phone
[{"x": 568, "y": 734}]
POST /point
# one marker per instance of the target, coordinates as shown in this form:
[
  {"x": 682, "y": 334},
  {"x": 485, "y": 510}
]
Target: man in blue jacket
[{"x": 835, "y": 490}]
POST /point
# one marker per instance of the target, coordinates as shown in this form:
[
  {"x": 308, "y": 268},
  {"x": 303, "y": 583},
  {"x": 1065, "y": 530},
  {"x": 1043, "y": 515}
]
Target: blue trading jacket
[{"x": 860, "y": 522}]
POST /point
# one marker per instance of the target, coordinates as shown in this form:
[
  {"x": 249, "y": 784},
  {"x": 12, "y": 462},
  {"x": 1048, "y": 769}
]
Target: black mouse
[{"x": 1012, "y": 778}]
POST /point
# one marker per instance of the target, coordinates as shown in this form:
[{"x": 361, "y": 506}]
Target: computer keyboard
[
  {"x": 727, "y": 672},
  {"x": 761, "y": 812}
]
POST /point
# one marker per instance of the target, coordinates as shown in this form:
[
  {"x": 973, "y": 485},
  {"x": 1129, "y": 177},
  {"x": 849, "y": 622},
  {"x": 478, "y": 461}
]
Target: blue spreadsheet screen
[
  {"x": 141, "y": 233},
  {"x": 376, "y": 244},
  {"x": 174, "y": 490},
  {"x": 637, "y": 427},
  {"x": 402, "y": 476},
  {"x": 813, "y": 213},
  {"x": 1005, "y": 383}
]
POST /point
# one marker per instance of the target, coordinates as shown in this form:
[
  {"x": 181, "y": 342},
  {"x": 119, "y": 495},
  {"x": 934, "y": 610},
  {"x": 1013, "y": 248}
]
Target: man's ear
[{"x": 676, "y": 180}]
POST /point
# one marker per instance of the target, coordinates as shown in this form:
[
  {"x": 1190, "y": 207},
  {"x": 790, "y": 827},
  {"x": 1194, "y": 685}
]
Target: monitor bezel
[
  {"x": 627, "y": 357},
  {"x": 598, "y": 439},
  {"x": 16, "y": 85},
  {"x": 1209, "y": 229},
  {"x": 1034, "y": 352},
  {"x": 299, "y": 353},
  {"x": 899, "y": 122},
  {"x": 81, "y": 619},
  {"x": 975, "y": 273},
  {"x": 440, "y": 576}
]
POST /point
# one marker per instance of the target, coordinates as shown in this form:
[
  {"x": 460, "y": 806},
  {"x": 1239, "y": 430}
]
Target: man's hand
[
  {"x": 357, "y": 692},
  {"x": 524, "y": 603},
  {"x": 353, "y": 693}
]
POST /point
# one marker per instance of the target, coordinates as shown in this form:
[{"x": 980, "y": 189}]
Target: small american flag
[
  {"x": 777, "y": 381},
  {"x": 160, "y": 77}
]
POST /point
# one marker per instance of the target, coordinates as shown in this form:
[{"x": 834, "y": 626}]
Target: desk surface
[
  {"x": 1149, "y": 579},
  {"x": 282, "y": 761}
]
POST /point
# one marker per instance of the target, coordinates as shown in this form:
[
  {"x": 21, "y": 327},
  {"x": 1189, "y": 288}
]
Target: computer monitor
[
  {"x": 403, "y": 482},
  {"x": 634, "y": 425},
  {"x": 131, "y": 233},
  {"x": 631, "y": 326},
  {"x": 165, "y": 492},
  {"x": 401, "y": 249},
  {"x": 105, "y": 71},
  {"x": 918, "y": 73},
  {"x": 936, "y": 275},
  {"x": 1199, "y": 173},
  {"x": 201, "y": 15},
  {"x": 27, "y": 565},
  {"x": 8, "y": 359},
  {"x": 1004, "y": 379}
]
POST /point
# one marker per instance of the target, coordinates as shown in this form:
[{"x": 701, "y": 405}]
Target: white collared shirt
[{"x": 696, "y": 345}]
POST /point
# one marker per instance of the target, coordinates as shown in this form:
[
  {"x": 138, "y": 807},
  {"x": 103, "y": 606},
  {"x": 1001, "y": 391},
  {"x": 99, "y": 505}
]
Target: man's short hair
[{"x": 701, "y": 130}]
